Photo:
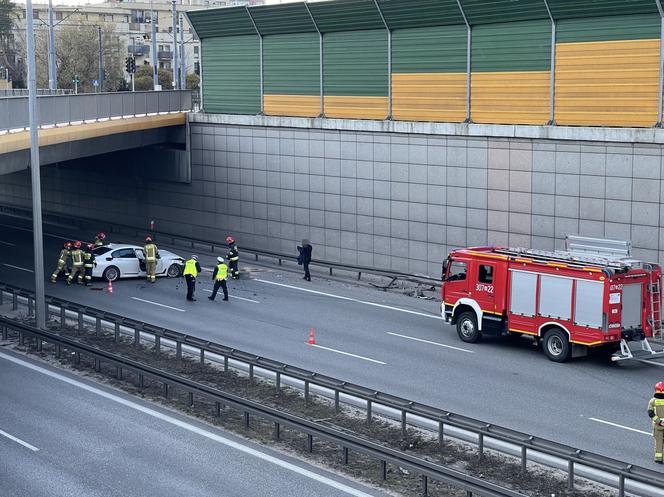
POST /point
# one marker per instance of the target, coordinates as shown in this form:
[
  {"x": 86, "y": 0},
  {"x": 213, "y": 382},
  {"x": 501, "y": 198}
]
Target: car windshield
[{"x": 101, "y": 250}]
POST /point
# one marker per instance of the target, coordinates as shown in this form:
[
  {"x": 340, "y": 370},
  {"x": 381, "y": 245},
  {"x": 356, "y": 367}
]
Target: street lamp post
[
  {"x": 175, "y": 46},
  {"x": 38, "y": 242},
  {"x": 155, "y": 61},
  {"x": 101, "y": 61},
  {"x": 52, "y": 68}
]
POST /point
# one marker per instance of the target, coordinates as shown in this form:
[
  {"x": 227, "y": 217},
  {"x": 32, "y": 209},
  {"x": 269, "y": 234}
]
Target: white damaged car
[{"x": 116, "y": 261}]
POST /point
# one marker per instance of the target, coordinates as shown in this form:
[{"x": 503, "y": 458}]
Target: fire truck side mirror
[{"x": 446, "y": 263}]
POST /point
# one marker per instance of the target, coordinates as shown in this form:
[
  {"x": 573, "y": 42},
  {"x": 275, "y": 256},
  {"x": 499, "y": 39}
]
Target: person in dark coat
[{"x": 305, "y": 258}]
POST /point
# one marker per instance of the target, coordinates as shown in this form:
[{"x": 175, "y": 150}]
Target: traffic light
[
  {"x": 130, "y": 65},
  {"x": 133, "y": 65},
  {"x": 127, "y": 64}
]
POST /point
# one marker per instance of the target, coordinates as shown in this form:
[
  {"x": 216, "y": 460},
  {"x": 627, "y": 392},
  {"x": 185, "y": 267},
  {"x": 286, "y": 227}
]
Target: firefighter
[
  {"x": 99, "y": 239},
  {"x": 62, "y": 262},
  {"x": 151, "y": 256},
  {"x": 233, "y": 257},
  {"x": 219, "y": 277},
  {"x": 656, "y": 413},
  {"x": 77, "y": 263},
  {"x": 89, "y": 263},
  {"x": 191, "y": 270}
]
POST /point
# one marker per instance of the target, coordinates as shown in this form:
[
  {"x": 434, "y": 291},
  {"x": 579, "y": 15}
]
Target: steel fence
[
  {"x": 626, "y": 478},
  {"x": 90, "y": 107}
]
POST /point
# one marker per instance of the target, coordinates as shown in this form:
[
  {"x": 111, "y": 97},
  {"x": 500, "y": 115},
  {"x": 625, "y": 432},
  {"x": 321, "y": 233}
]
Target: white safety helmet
[
  {"x": 195, "y": 257},
  {"x": 220, "y": 259}
]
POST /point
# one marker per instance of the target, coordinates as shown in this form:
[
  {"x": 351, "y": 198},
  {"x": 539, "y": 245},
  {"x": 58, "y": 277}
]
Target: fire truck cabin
[{"x": 565, "y": 301}]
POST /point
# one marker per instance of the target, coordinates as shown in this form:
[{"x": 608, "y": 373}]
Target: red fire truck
[{"x": 568, "y": 301}]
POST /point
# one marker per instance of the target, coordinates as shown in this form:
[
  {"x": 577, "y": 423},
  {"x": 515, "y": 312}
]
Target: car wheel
[
  {"x": 467, "y": 327},
  {"x": 174, "y": 270},
  {"x": 111, "y": 273},
  {"x": 556, "y": 346}
]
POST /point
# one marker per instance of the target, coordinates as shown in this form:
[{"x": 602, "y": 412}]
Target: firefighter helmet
[
  {"x": 67, "y": 245},
  {"x": 77, "y": 244},
  {"x": 91, "y": 246},
  {"x": 148, "y": 239},
  {"x": 220, "y": 260},
  {"x": 230, "y": 239},
  {"x": 101, "y": 235},
  {"x": 659, "y": 387}
]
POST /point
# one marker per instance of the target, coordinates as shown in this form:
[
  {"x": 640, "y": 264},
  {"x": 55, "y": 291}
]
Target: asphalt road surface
[
  {"x": 61, "y": 435},
  {"x": 388, "y": 342}
]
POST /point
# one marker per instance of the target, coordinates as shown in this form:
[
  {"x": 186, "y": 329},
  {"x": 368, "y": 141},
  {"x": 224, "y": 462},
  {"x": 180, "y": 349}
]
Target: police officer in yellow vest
[
  {"x": 219, "y": 277},
  {"x": 77, "y": 269},
  {"x": 191, "y": 270},
  {"x": 151, "y": 256},
  {"x": 62, "y": 262},
  {"x": 656, "y": 413}
]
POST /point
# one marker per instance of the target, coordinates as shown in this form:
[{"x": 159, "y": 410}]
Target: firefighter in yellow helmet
[
  {"x": 233, "y": 257},
  {"x": 656, "y": 413},
  {"x": 219, "y": 277},
  {"x": 191, "y": 270},
  {"x": 151, "y": 256},
  {"x": 62, "y": 262},
  {"x": 77, "y": 264},
  {"x": 99, "y": 239}
]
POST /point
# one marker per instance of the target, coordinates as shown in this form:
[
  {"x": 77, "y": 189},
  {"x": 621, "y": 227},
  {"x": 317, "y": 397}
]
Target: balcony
[
  {"x": 165, "y": 54},
  {"x": 138, "y": 50}
]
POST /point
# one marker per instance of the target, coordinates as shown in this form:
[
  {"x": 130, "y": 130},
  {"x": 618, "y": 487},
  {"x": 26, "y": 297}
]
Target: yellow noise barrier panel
[
  {"x": 510, "y": 97},
  {"x": 12, "y": 142},
  {"x": 352, "y": 107},
  {"x": 608, "y": 83},
  {"x": 429, "y": 96},
  {"x": 292, "y": 105}
]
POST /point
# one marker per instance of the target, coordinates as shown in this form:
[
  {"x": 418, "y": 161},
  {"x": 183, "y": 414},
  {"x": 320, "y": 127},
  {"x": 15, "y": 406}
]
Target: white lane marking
[
  {"x": 234, "y": 296},
  {"x": 620, "y": 426},
  {"x": 432, "y": 343},
  {"x": 29, "y": 230},
  {"x": 191, "y": 428},
  {"x": 19, "y": 441},
  {"x": 347, "y": 353},
  {"x": 6, "y": 243},
  {"x": 374, "y": 304},
  {"x": 19, "y": 268},
  {"x": 157, "y": 303}
]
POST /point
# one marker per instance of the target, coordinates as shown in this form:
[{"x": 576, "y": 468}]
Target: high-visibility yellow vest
[
  {"x": 190, "y": 268},
  {"x": 77, "y": 257},
  {"x": 150, "y": 252},
  {"x": 222, "y": 271}
]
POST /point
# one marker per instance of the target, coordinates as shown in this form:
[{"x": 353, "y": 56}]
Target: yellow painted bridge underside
[
  {"x": 609, "y": 83},
  {"x": 429, "y": 96},
  {"x": 354, "y": 107},
  {"x": 292, "y": 105},
  {"x": 519, "y": 97},
  {"x": 12, "y": 142}
]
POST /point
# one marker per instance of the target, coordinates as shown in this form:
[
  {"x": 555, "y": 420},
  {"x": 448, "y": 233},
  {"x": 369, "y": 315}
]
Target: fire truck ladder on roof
[
  {"x": 655, "y": 317},
  {"x": 578, "y": 260}
]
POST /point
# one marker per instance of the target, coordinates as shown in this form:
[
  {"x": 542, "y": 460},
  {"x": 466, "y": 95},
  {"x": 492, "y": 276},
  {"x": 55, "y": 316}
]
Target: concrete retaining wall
[{"x": 387, "y": 199}]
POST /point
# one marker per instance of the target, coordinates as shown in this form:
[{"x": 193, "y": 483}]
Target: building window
[
  {"x": 196, "y": 50},
  {"x": 58, "y": 16},
  {"x": 197, "y": 68}
]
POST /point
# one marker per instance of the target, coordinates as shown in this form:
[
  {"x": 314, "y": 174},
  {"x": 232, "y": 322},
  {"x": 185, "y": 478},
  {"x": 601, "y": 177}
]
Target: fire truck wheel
[
  {"x": 467, "y": 327},
  {"x": 557, "y": 346}
]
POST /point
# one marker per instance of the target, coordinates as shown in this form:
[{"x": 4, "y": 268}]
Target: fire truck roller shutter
[
  {"x": 631, "y": 306},
  {"x": 523, "y": 293}
]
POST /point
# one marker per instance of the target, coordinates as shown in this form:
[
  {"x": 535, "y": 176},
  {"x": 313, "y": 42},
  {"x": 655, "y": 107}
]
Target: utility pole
[
  {"x": 52, "y": 69},
  {"x": 101, "y": 61},
  {"x": 155, "y": 59},
  {"x": 175, "y": 46},
  {"x": 183, "y": 66},
  {"x": 38, "y": 241}
]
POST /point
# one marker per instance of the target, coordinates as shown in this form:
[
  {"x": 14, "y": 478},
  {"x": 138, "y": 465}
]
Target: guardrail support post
[
  {"x": 2, "y": 295},
  {"x": 276, "y": 431},
  {"x": 344, "y": 458},
  {"x": 202, "y": 356},
  {"x": 225, "y": 364},
  {"x": 524, "y": 459},
  {"x": 166, "y": 390},
  {"x": 246, "y": 420},
  {"x": 97, "y": 365},
  {"x": 310, "y": 443},
  {"x": 137, "y": 338},
  {"x": 63, "y": 318},
  {"x": 441, "y": 436},
  {"x": 21, "y": 338},
  {"x": 277, "y": 383},
  {"x": 14, "y": 302},
  {"x": 118, "y": 373},
  {"x": 4, "y": 333},
  {"x": 306, "y": 392},
  {"x": 403, "y": 423},
  {"x": 337, "y": 407},
  {"x": 251, "y": 372},
  {"x": 621, "y": 486},
  {"x": 39, "y": 344},
  {"x": 157, "y": 344},
  {"x": 80, "y": 323},
  {"x": 116, "y": 334},
  {"x": 30, "y": 306},
  {"x": 425, "y": 485},
  {"x": 369, "y": 416},
  {"x": 217, "y": 409},
  {"x": 570, "y": 475},
  {"x": 359, "y": 275},
  {"x": 58, "y": 351},
  {"x": 178, "y": 350},
  {"x": 383, "y": 470},
  {"x": 191, "y": 399},
  {"x": 480, "y": 445}
]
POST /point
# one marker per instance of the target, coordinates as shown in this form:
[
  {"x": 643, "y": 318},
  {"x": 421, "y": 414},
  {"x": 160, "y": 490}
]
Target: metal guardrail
[
  {"x": 623, "y": 476},
  {"x": 22, "y": 92},
  {"x": 347, "y": 441},
  {"x": 213, "y": 246},
  {"x": 68, "y": 109}
]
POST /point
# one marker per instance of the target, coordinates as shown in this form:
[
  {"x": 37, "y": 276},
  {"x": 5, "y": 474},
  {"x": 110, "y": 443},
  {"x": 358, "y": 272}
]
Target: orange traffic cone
[
  {"x": 312, "y": 340},
  {"x": 110, "y": 286}
]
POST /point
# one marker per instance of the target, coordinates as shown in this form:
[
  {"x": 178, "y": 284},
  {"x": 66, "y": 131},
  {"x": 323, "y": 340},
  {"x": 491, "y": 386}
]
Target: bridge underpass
[{"x": 78, "y": 126}]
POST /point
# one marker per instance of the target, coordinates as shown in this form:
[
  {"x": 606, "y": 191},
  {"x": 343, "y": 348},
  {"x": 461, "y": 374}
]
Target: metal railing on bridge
[{"x": 56, "y": 110}]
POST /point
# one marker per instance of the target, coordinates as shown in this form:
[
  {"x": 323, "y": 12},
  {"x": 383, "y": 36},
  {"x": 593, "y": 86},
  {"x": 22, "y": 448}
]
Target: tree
[
  {"x": 143, "y": 78},
  {"x": 193, "y": 81},
  {"x": 77, "y": 56},
  {"x": 9, "y": 13}
]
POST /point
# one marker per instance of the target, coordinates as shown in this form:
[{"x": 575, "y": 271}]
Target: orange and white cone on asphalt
[
  {"x": 312, "y": 340},
  {"x": 110, "y": 286}
]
